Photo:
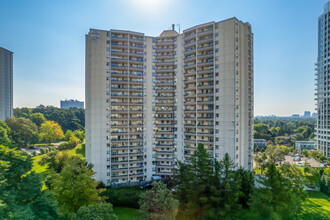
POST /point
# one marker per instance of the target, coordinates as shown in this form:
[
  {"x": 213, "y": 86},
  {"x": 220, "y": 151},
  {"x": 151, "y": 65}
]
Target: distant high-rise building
[
  {"x": 307, "y": 114},
  {"x": 72, "y": 104},
  {"x": 6, "y": 84},
  {"x": 323, "y": 83},
  {"x": 295, "y": 116},
  {"x": 151, "y": 100}
]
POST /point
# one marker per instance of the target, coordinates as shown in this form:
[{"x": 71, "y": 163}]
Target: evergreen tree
[
  {"x": 280, "y": 192},
  {"x": 158, "y": 203}
]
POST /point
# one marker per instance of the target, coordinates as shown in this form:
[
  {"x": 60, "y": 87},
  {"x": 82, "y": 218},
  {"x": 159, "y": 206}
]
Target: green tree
[
  {"x": 4, "y": 134},
  {"x": 260, "y": 159},
  {"x": 22, "y": 112},
  {"x": 102, "y": 211},
  {"x": 280, "y": 192},
  {"x": 38, "y": 118},
  {"x": 158, "y": 203},
  {"x": 229, "y": 186},
  {"x": 73, "y": 141},
  {"x": 68, "y": 134},
  {"x": 246, "y": 180},
  {"x": 275, "y": 154},
  {"x": 74, "y": 186},
  {"x": 80, "y": 134},
  {"x": 196, "y": 184},
  {"x": 51, "y": 131},
  {"x": 21, "y": 194},
  {"x": 21, "y": 131}
]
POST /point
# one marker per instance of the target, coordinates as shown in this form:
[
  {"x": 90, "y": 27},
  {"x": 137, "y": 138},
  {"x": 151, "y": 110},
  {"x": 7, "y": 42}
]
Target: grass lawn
[
  {"x": 124, "y": 213},
  {"x": 316, "y": 206},
  {"x": 78, "y": 150},
  {"x": 36, "y": 167}
]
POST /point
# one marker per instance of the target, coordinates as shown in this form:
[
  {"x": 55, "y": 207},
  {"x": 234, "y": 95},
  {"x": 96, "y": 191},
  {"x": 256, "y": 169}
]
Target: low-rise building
[
  {"x": 260, "y": 143},
  {"x": 305, "y": 145}
]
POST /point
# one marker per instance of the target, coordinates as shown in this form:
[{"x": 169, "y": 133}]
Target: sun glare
[{"x": 150, "y": 6}]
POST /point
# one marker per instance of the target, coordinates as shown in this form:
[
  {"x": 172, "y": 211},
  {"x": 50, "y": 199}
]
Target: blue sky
[{"x": 48, "y": 41}]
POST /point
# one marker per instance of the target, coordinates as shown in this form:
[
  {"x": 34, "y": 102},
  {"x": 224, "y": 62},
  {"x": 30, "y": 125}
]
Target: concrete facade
[
  {"x": 305, "y": 145},
  {"x": 71, "y": 104},
  {"x": 151, "y": 100},
  {"x": 6, "y": 84},
  {"x": 323, "y": 83}
]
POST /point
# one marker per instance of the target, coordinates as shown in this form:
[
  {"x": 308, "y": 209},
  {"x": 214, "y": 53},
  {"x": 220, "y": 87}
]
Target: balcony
[
  {"x": 189, "y": 36},
  {"x": 205, "y": 32},
  {"x": 205, "y": 71},
  {"x": 165, "y": 63},
  {"x": 207, "y": 55},
  {"x": 189, "y": 51},
  {"x": 208, "y": 63},
  {"x": 206, "y": 40},
  {"x": 137, "y": 47},
  {"x": 190, "y": 43},
  {"x": 161, "y": 50},
  {"x": 165, "y": 43},
  {"x": 164, "y": 70},
  {"x": 203, "y": 48},
  {"x": 119, "y": 46}
]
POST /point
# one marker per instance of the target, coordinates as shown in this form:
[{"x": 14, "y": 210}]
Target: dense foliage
[
  {"x": 208, "y": 188},
  {"x": 21, "y": 194},
  {"x": 280, "y": 192},
  {"x": 68, "y": 119},
  {"x": 123, "y": 197},
  {"x": 158, "y": 203},
  {"x": 21, "y": 131},
  {"x": 102, "y": 211},
  {"x": 270, "y": 128}
]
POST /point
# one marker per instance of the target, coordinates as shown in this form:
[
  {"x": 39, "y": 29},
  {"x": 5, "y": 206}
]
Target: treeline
[
  {"x": 211, "y": 189},
  {"x": 69, "y": 119},
  {"x": 22, "y": 132},
  {"x": 269, "y": 129}
]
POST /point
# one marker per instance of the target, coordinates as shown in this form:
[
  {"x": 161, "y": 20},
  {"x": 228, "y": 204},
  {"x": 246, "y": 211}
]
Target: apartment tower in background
[
  {"x": 151, "y": 100},
  {"x": 71, "y": 103},
  {"x": 323, "y": 83},
  {"x": 6, "y": 84}
]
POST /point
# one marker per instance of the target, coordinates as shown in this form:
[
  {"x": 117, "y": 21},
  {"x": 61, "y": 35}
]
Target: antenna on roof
[
  {"x": 173, "y": 27},
  {"x": 178, "y": 27}
]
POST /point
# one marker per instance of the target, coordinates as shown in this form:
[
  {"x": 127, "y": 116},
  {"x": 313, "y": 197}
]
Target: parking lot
[{"x": 310, "y": 161}]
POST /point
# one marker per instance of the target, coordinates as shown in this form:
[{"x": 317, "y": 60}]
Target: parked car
[{"x": 146, "y": 186}]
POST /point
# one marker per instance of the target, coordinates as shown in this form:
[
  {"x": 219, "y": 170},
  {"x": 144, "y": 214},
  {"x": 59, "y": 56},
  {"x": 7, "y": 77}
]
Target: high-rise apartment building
[
  {"x": 151, "y": 100},
  {"x": 323, "y": 83},
  {"x": 71, "y": 103},
  {"x": 6, "y": 84}
]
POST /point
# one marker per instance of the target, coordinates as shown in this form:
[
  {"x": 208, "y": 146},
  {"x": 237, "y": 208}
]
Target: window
[
  {"x": 217, "y": 98},
  {"x": 216, "y": 74},
  {"x": 216, "y": 34},
  {"x": 216, "y": 42}
]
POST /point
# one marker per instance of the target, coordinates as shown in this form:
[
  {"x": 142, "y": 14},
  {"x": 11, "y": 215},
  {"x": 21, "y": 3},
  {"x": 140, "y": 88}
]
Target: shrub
[
  {"x": 66, "y": 146},
  {"x": 124, "y": 197}
]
